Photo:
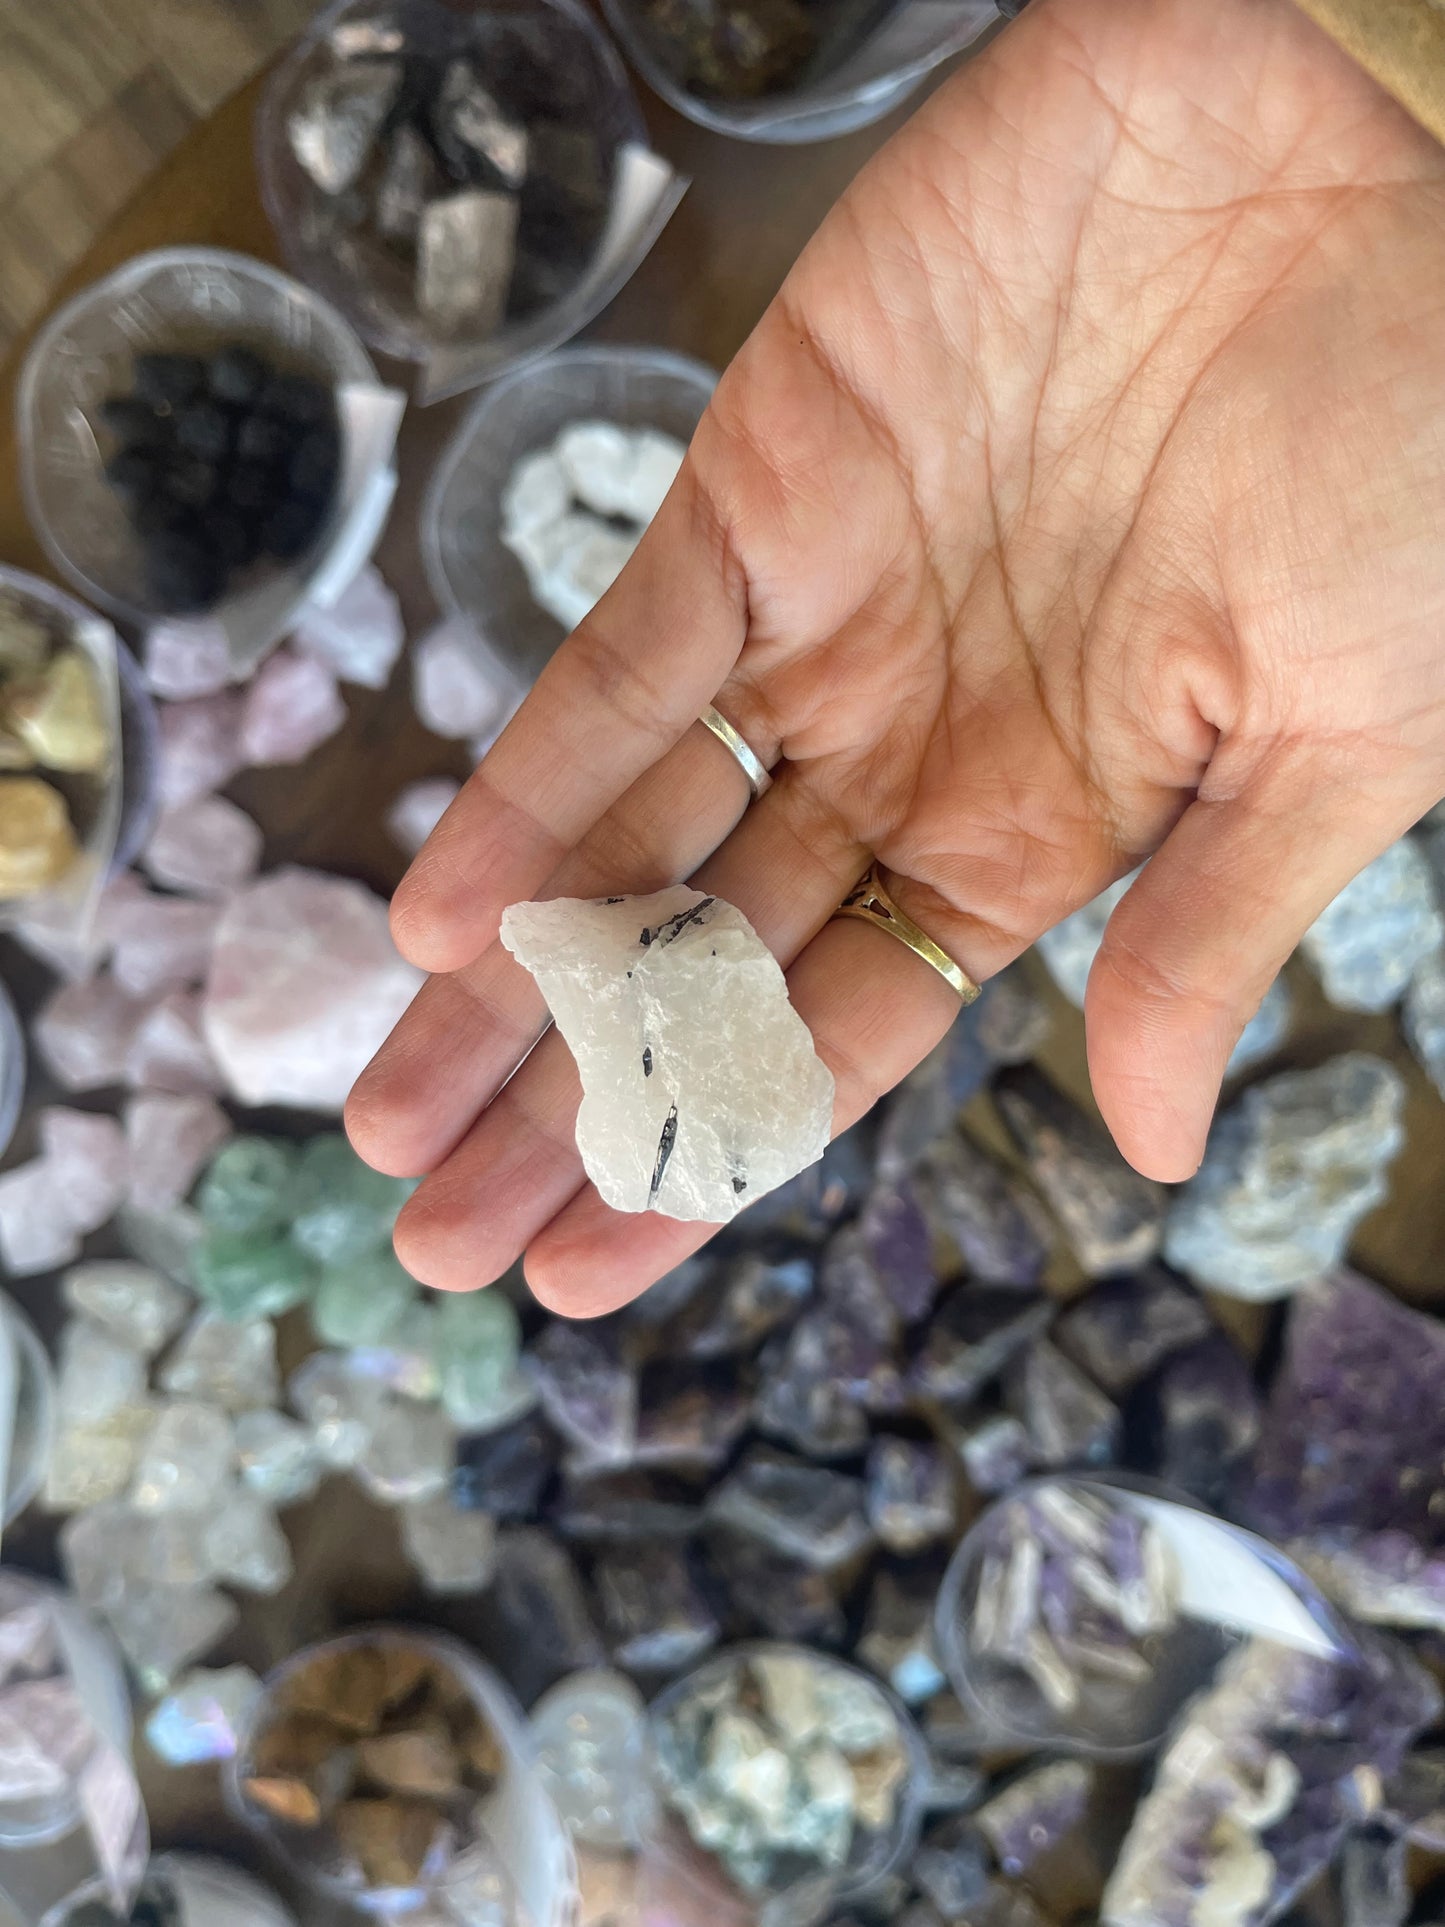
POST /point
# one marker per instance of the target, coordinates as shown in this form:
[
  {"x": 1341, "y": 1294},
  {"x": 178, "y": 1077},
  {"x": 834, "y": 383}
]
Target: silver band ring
[{"x": 759, "y": 781}]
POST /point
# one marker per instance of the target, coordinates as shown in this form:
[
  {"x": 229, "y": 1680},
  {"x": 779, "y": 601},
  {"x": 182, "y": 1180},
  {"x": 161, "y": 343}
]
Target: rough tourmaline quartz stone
[
  {"x": 1112, "y": 1218},
  {"x": 670, "y": 1003},
  {"x": 1346, "y": 1474},
  {"x": 1260, "y": 1782},
  {"x": 1288, "y": 1173},
  {"x": 1385, "y": 922}
]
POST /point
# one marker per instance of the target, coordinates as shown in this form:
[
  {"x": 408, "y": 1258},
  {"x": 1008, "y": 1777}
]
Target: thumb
[{"x": 1198, "y": 939}]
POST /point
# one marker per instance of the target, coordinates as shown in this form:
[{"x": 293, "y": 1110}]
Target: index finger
[{"x": 613, "y": 700}]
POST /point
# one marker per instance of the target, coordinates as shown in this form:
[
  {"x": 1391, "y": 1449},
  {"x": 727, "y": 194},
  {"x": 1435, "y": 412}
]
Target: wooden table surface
[{"x": 724, "y": 255}]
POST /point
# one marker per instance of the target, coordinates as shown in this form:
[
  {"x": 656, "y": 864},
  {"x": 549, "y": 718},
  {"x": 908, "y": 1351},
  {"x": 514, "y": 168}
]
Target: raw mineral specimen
[
  {"x": 654, "y": 1615},
  {"x": 1260, "y": 1781},
  {"x": 200, "y": 746},
  {"x": 465, "y": 250},
  {"x": 137, "y": 1306},
  {"x": 88, "y": 1161},
  {"x": 37, "y": 839},
  {"x": 587, "y": 1393},
  {"x": 169, "y": 1140},
  {"x": 292, "y": 706},
  {"x": 417, "y": 810},
  {"x": 360, "y": 635},
  {"x": 1035, "y": 1813},
  {"x": 1368, "y": 944},
  {"x": 770, "y": 1593},
  {"x": 1288, "y": 1173},
  {"x": 454, "y": 1551},
  {"x": 305, "y": 985},
  {"x": 169, "y": 1050},
  {"x": 819, "y": 1386},
  {"x": 897, "y": 1637},
  {"x": 1124, "y": 1328},
  {"x": 85, "y": 1032},
  {"x": 975, "y": 1334},
  {"x": 334, "y": 124},
  {"x": 1201, "y": 1418},
  {"x": 729, "y": 1310},
  {"x": 998, "y": 1229},
  {"x": 276, "y": 1457},
  {"x": 189, "y": 656},
  {"x": 800, "y": 1511},
  {"x": 535, "y": 1614},
  {"x": 207, "y": 846},
  {"x": 160, "y": 943},
  {"x": 786, "y": 1765},
  {"x": 203, "y": 1716},
  {"x": 506, "y": 1472},
  {"x": 1346, "y": 1474},
  {"x": 1111, "y": 1216},
  {"x": 911, "y": 1495},
  {"x": 1424, "y": 1017},
  {"x": 688, "y": 1423},
  {"x": 701, "y": 1086},
  {"x": 454, "y": 689},
  {"x": 1069, "y": 1420},
  {"x": 737, "y": 51},
  {"x": 996, "y": 1454},
  {"x": 230, "y": 1365}
]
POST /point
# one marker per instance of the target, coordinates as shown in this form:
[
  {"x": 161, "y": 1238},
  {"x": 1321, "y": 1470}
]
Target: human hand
[{"x": 1080, "y": 496}]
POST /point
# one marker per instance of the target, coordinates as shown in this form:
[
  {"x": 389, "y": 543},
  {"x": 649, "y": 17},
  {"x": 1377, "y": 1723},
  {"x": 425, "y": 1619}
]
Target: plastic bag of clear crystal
[
  {"x": 471, "y": 184},
  {"x": 197, "y": 301},
  {"x": 853, "y": 70},
  {"x": 61, "y": 757}
]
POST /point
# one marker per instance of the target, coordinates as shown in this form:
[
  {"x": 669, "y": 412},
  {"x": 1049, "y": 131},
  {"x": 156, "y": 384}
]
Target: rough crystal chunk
[
  {"x": 169, "y": 1050},
  {"x": 333, "y": 126},
  {"x": 454, "y": 689},
  {"x": 92, "y": 1463},
  {"x": 252, "y": 1277},
  {"x": 588, "y": 1736},
  {"x": 137, "y": 1306},
  {"x": 164, "y": 1629},
  {"x": 305, "y": 985},
  {"x": 999, "y": 1230},
  {"x": 1121, "y": 1330},
  {"x": 653, "y": 1612},
  {"x": 996, "y": 1454},
  {"x": 454, "y": 1551},
  {"x": 204, "y": 1715},
  {"x": 160, "y": 943},
  {"x": 1385, "y": 922},
  {"x": 186, "y": 1461},
  {"x": 507, "y": 1471},
  {"x": 1069, "y": 1420},
  {"x": 1347, "y": 1471},
  {"x": 170, "y": 1140},
  {"x": 416, "y": 811},
  {"x": 200, "y": 746},
  {"x": 589, "y": 1395},
  {"x": 291, "y": 708},
  {"x": 801, "y": 1511},
  {"x": 98, "y": 1374},
  {"x": 535, "y": 1614},
  {"x": 341, "y": 1210},
  {"x": 248, "y": 1188},
  {"x": 360, "y": 636},
  {"x": 897, "y": 1639},
  {"x": 1288, "y": 1173},
  {"x": 85, "y": 1032},
  {"x": 1111, "y": 1216},
  {"x": 911, "y": 1497},
  {"x": 88, "y": 1163},
  {"x": 819, "y": 1386},
  {"x": 221, "y": 1363},
  {"x": 363, "y": 1302},
  {"x": 1424, "y": 1018},
  {"x": 673, "y": 1007},
  {"x": 36, "y": 1233},
  {"x": 1036, "y": 1813},
  {"x": 245, "y": 1545},
  {"x": 188, "y": 656},
  {"x": 208, "y": 846},
  {"x": 1201, "y": 1418},
  {"x": 276, "y": 1457}
]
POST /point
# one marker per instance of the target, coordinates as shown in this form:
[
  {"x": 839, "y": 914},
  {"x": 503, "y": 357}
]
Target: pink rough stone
[
  {"x": 77, "y": 954},
  {"x": 293, "y": 705},
  {"x": 418, "y": 809},
  {"x": 455, "y": 690},
  {"x": 200, "y": 746},
  {"x": 305, "y": 984},
  {"x": 161, "y": 943},
  {"x": 85, "y": 1032},
  {"x": 170, "y": 1139},
  {"x": 207, "y": 847},
  {"x": 360, "y": 637},
  {"x": 187, "y": 657},
  {"x": 170, "y": 1052},
  {"x": 88, "y": 1162},
  {"x": 36, "y": 1233}
]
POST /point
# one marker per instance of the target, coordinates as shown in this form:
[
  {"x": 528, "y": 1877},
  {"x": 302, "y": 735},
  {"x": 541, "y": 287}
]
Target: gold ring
[
  {"x": 871, "y": 903},
  {"x": 751, "y": 765}
]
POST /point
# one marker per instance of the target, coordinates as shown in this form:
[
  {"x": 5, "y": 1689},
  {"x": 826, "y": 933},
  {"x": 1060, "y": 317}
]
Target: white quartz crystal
[{"x": 701, "y": 1087}]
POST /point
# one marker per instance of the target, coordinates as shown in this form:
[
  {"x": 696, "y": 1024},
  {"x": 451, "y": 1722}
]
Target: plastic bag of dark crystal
[
  {"x": 790, "y": 71},
  {"x": 204, "y": 441},
  {"x": 471, "y": 184}
]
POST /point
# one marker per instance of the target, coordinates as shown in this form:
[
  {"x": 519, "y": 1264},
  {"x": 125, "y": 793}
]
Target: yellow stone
[
  {"x": 37, "y": 843},
  {"x": 61, "y": 717}
]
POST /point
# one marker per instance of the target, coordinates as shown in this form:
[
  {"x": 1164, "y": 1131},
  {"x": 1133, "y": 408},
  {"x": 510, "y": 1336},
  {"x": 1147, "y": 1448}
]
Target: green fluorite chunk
[
  {"x": 252, "y": 1277},
  {"x": 248, "y": 1187},
  {"x": 343, "y": 1209},
  {"x": 479, "y": 1340},
  {"x": 362, "y": 1303}
]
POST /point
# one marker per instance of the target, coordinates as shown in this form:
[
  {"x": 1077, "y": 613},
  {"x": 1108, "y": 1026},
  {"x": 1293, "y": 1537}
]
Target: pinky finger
[{"x": 875, "y": 1011}]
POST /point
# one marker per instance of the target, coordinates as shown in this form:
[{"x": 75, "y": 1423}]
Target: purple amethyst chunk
[
  {"x": 819, "y": 1384},
  {"x": 897, "y": 1237},
  {"x": 1200, "y": 1419},
  {"x": 587, "y": 1393},
  {"x": 654, "y": 1615},
  {"x": 912, "y": 1499},
  {"x": 977, "y": 1331},
  {"x": 1070, "y": 1422},
  {"x": 998, "y": 1228},
  {"x": 1125, "y": 1328}
]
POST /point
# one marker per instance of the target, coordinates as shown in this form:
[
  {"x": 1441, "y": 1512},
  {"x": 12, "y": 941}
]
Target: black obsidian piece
[{"x": 222, "y": 461}]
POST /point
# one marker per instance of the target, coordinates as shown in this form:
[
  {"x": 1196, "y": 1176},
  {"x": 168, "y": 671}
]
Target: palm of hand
[{"x": 1081, "y": 491}]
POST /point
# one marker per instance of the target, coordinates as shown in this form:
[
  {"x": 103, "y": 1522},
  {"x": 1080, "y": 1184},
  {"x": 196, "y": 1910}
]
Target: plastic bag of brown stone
[
  {"x": 795, "y": 71},
  {"x": 392, "y": 1770},
  {"x": 62, "y": 752}
]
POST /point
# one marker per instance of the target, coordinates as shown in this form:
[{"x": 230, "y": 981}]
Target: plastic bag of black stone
[{"x": 791, "y": 71}]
